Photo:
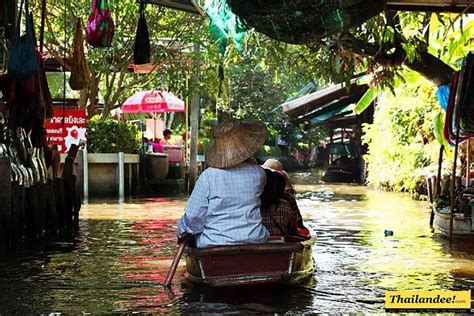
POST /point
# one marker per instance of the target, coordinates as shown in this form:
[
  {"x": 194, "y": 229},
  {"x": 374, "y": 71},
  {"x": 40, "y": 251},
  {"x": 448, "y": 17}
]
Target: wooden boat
[
  {"x": 462, "y": 224},
  {"x": 344, "y": 164},
  {"x": 336, "y": 174},
  {"x": 250, "y": 264}
]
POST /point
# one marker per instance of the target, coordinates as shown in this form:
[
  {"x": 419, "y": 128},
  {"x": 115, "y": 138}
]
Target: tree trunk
[
  {"x": 105, "y": 112},
  {"x": 83, "y": 97},
  {"x": 93, "y": 93},
  {"x": 432, "y": 68}
]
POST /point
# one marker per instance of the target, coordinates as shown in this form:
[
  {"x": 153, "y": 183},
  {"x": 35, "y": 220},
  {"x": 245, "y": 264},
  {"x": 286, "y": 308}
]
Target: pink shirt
[{"x": 158, "y": 148}]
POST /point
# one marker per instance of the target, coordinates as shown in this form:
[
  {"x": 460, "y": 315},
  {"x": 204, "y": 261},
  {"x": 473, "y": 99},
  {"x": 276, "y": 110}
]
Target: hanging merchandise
[
  {"x": 141, "y": 51},
  {"x": 460, "y": 112},
  {"x": 45, "y": 94},
  {"x": 22, "y": 62},
  {"x": 79, "y": 69},
  {"x": 100, "y": 26},
  {"x": 44, "y": 101},
  {"x": 3, "y": 51}
]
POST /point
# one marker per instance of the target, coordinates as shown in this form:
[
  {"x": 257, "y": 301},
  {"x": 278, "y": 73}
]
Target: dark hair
[
  {"x": 273, "y": 190},
  {"x": 166, "y": 132}
]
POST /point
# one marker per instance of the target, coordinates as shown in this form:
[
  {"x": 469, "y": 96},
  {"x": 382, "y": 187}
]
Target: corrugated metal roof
[{"x": 302, "y": 107}]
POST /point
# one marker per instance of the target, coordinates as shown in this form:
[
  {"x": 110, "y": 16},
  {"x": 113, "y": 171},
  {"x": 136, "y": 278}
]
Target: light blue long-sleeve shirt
[{"x": 224, "y": 207}]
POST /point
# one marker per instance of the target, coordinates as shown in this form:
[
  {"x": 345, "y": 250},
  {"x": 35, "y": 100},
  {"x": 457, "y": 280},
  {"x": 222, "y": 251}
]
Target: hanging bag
[
  {"x": 3, "y": 51},
  {"x": 141, "y": 51},
  {"x": 100, "y": 26},
  {"x": 22, "y": 62},
  {"x": 79, "y": 70}
]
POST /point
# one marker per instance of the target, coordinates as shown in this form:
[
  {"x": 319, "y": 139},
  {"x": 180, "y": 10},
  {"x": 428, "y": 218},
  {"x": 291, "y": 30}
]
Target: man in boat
[{"x": 224, "y": 207}]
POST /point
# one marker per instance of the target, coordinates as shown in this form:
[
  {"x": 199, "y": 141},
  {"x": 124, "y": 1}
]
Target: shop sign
[{"x": 67, "y": 127}]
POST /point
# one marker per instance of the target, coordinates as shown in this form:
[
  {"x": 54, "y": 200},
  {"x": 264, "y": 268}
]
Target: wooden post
[
  {"x": 121, "y": 176},
  {"x": 438, "y": 182},
  {"x": 440, "y": 165},
  {"x": 193, "y": 168},
  {"x": 185, "y": 140},
  {"x": 5, "y": 204},
  {"x": 12, "y": 8},
  {"x": 429, "y": 187},
  {"x": 468, "y": 162},
  {"x": 453, "y": 182},
  {"x": 85, "y": 174}
]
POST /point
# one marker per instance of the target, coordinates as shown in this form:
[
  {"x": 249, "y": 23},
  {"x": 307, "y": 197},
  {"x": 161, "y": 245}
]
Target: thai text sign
[
  {"x": 66, "y": 128},
  {"x": 428, "y": 301}
]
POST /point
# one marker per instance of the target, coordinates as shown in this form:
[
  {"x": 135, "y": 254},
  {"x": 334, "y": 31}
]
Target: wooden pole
[
  {"x": 121, "y": 177},
  {"x": 468, "y": 162},
  {"x": 194, "y": 124},
  {"x": 185, "y": 140},
  {"x": 438, "y": 182},
  {"x": 429, "y": 187},
  {"x": 440, "y": 165},
  {"x": 174, "y": 264},
  {"x": 453, "y": 183},
  {"x": 12, "y": 9}
]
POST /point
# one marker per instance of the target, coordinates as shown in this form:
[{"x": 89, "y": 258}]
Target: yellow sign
[{"x": 428, "y": 300}]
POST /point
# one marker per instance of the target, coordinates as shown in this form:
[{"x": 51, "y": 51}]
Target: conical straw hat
[{"x": 234, "y": 142}]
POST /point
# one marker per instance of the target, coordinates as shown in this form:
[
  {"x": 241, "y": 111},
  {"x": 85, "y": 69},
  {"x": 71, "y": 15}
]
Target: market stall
[{"x": 160, "y": 160}]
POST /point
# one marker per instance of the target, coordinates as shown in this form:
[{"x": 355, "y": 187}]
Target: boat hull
[
  {"x": 250, "y": 264},
  {"x": 462, "y": 226},
  {"x": 339, "y": 175}
]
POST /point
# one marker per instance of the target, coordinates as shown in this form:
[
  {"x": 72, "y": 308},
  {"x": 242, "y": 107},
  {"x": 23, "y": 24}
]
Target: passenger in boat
[
  {"x": 289, "y": 195},
  {"x": 277, "y": 214},
  {"x": 224, "y": 207}
]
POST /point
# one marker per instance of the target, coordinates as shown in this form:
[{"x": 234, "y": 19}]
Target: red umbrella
[{"x": 155, "y": 101}]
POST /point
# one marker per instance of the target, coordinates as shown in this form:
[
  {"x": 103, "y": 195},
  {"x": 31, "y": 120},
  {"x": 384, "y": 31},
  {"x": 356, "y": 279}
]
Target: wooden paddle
[{"x": 174, "y": 264}]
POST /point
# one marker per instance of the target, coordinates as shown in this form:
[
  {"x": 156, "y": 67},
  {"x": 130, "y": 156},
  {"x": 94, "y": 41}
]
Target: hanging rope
[
  {"x": 64, "y": 60},
  {"x": 43, "y": 20}
]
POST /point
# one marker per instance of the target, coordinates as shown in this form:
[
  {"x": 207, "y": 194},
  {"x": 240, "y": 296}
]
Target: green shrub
[
  {"x": 110, "y": 136},
  {"x": 402, "y": 149}
]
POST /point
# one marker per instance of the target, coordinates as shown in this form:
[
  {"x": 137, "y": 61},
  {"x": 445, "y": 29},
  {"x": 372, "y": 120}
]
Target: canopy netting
[
  {"x": 224, "y": 24},
  {"x": 291, "y": 21}
]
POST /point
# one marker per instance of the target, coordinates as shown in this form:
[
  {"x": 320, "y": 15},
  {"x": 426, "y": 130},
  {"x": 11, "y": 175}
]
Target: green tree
[
  {"x": 408, "y": 151},
  {"x": 433, "y": 44},
  {"x": 172, "y": 34}
]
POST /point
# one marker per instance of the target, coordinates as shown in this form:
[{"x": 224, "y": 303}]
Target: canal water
[{"x": 368, "y": 242}]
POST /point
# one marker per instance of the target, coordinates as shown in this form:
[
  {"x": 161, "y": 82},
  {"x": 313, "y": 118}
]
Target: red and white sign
[{"x": 66, "y": 128}]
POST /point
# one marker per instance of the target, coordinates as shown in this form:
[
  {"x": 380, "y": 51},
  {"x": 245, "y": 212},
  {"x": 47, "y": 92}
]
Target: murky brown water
[{"x": 120, "y": 258}]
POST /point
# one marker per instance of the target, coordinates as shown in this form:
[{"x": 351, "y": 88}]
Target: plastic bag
[
  {"x": 141, "y": 51},
  {"x": 22, "y": 62},
  {"x": 79, "y": 70},
  {"x": 100, "y": 26}
]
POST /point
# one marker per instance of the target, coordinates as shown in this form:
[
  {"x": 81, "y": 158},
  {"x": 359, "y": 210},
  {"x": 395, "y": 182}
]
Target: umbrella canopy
[{"x": 153, "y": 102}]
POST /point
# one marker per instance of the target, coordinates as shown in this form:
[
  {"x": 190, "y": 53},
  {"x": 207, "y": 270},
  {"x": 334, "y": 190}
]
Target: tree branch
[{"x": 429, "y": 66}]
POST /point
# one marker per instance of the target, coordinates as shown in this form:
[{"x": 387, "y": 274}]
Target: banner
[
  {"x": 428, "y": 301},
  {"x": 66, "y": 128}
]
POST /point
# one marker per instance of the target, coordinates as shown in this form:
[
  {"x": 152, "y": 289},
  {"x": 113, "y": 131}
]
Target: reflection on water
[{"x": 121, "y": 256}]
